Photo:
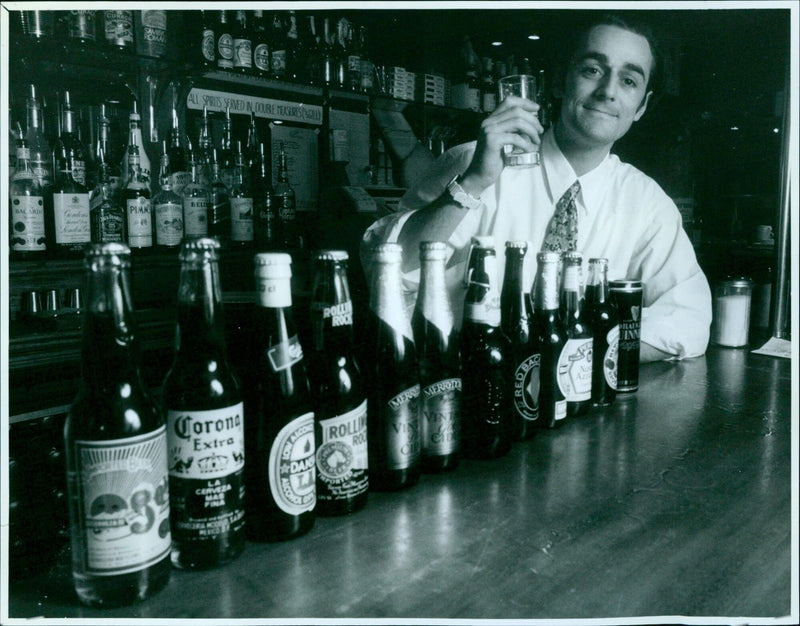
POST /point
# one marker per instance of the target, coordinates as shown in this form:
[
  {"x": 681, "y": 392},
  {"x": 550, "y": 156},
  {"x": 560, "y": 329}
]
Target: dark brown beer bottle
[
  {"x": 548, "y": 326},
  {"x": 516, "y": 317},
  {"x": 281, "y": 464},
  {"x": 393, "y": 424},
  {"x": 604, "y": 321},
  {"x": 205, "y": 421},
  {"x": 485, "y": 360},
  {"x": 116, "y": 449},
  {"x": 337, "y": 385},
  {"x": 438, "y": 358},
  {"x": 575, "y": 362}
]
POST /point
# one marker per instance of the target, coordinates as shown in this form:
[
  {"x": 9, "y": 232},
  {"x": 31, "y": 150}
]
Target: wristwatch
[{"x": 461, "y": 197}]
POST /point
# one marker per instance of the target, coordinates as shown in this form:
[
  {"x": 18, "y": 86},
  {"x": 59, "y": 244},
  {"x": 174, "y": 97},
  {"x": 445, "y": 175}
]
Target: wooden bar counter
[{"x": 673, "y": 502}]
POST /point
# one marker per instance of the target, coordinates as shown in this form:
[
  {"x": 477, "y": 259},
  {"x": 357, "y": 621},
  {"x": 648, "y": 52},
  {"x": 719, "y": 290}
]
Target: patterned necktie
[{"x": 562, "y": 232}]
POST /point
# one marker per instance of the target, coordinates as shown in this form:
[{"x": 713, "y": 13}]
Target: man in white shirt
[{"x": 623, "y": 214}]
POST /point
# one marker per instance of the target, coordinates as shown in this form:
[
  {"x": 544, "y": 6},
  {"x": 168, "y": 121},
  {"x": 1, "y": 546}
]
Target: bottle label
[
  {"x": 402, "y": 429},
  {"x": 241, "y": 219},
  {"x": 119, "y": 26},
  {"x": 43, "y": 171},
  {"x": 107, "y": 227},
  {"x": 342, "y": 455},
  {"x": 23, "y": 154},
  {"x": 206, "y": 469},
  {"x": 278, "y": 62},
  {"x": 287, "y": 209},
  {"x": 560, "y": 410},
  {"x": 487, "y": 311},
  {"x": 195, "y": 217},
  {"x": 243, "y": 54},
  {"x": 208, "y": 45},
  {"x": 338, "y": 314},
  {"x": 441, "y": 417},
  {"x": 72, "y": 218},
  {"x": 81, "y": 25},
  {"x": 225, "y": 48},
  {"x": 611, "y": 357},
  {"x": 79, "y": 171},
  {"x": 574, "y": 372},
  {"x": 27, "y": 224},
  {"x": 526, "y": 387},
  {"x": 274, "y": 293},
  {"x": 261, "y": 57},
  {"x": 140, "y": 223},
  {"x": 123, "y": 511},
  {"x": 179, "y": 180},
  {"x": 285, "y": 354},
  {"x": 169, "y": 224},
  {"x": 154, "y": 31},
  {"x": 292, "y": 466}
]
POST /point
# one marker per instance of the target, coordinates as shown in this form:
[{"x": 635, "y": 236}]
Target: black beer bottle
[
  {"x": 337, "y": 385},
  {"x": 205, "y": 421},
  {"x": 438, "y": 359},
  {"x": 393, "y": 425},
  {"x": 485, "y": 361},
  {"x": 552, "y": 337},
  {"x": 116, "y": 449},
  {"x": 281, "y": 465},
  {"x": 575, "y": 362},
  {"x": 516, "y": 318},
  {"x": 604, "y": 321}
]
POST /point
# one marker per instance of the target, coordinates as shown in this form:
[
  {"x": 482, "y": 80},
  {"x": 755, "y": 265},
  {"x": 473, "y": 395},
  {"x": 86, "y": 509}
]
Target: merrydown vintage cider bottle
[
  {"x": 485, "y": 360},
  {"x": 575, "y": 362},
  {"x": 281, "y": 463},
  {"x": 516, "y": 317},
  {"x": 341, "y": 409},
  {"x": 116, "y": 449},
  {"x": 438, "y": 358},
  {"x": 205, "y": 421},
  {"x": 394, "y": 428},
  {"x": 604, "y": 321}
]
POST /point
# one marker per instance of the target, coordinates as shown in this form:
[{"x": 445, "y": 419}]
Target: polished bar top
[{"x": 673, "y": 502}]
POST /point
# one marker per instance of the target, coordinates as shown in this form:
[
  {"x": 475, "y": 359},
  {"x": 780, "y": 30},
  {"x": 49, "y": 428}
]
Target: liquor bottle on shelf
[
  {"x": 241, "y": 205},
  {"x": 114, "y": 417},
  {"x": 261, "y": 44},
  {"x": 81, "y": 26},
  {"x": 575, "y": 362},
  {"x": 167, "y": 209},
  {"x": 393, "y": 411},
  {"x": 178, "y": 167},
  {"x": 604, "y": 321},
  {"x": 340, "y": 53},
  {"x": 37, "y": 25},
  {"x": 205, "y": 412},
  {"x": 278, "y": 47},
  {"x": 138, "y": 209},
  {"x": 118, "y": 29},
  {"x": 135, "y": 136},
  {"x": 196, "y": 202},
  {"x": 224, "y": 35},
  {"x": 107, "y": 213},
  {"x": 285, "y": 204},
  {"x": 328, "y": 59},
  {"x": 338, "y": 386},
  {"x": 281, "y": 445},
  {"x": 552, "y": 337},
  {"x": 488, "y": 87},
  {"x": 41, "y": 157},
  {"x": 219, "y": 215},
  {"x": 67, "y": 222},
  {"x": 151, "y": 32},
  {"x": 251, "y": 151},
  {"x": 292, "y": 47},
  {"x": 486, "y": 360},
  {"x": 266, "y": 225},
  {"x": 242, "y": 44},
  {"x": 353, "y": 55},
  {"x": 103, "y": 144},
  {"x": 69, "y": 146},
  {"x": 367, "y": 71},
  {"x": 26, "y": 207},
  {"x": 438, "y": 356},
  {"x": 225, "y": 152},
  {"x": 516, "y": 314},
  {"x": 311, "y": 45},
  {"x": 207, "y": 55},
  {"x": 205, "y": 144}
]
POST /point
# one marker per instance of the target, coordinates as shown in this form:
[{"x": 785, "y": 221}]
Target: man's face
[{"x": 606, "y": 87}]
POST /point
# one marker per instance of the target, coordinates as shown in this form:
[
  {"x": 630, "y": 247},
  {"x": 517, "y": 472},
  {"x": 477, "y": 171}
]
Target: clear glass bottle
[
  {"x": 138, "y": 209},
  {"x": 266, "y": 224},
  {"x": 135, "y": 138},
  {"x": 167, "y": 209},
  {"x": 219, "y": 216},
  {"x": 205, "y": 144},
  {"x": 286, "y": 204},
  {"x": 179, "y": 168},
  {"x": 41, "y": 156},
  {"x": 69, "y": 146},
  {"x": 196, "y": 203},
  {"x": 225, "y": 152},
  {"x": 241, "y": 206},
  {"x": 26, "y": 207}
]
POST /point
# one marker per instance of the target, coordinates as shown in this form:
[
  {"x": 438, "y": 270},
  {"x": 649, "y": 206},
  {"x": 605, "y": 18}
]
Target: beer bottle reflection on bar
[
  {"x": 337, "y": 385},
  {"x": 394, "y": 428},
  {"x": 485, "y": 360},
  {"x": 552, "y": 337},
  {"x": 516, "y": 318},
  {"x": 114, "y": 418},
  {"x": 281, "y": 465},
  {"x": 575, "y": 362},
  {"x": 438, "y": 358},
  {"x": 205, "y": 421},
  {"x": 604, "y": 321}
]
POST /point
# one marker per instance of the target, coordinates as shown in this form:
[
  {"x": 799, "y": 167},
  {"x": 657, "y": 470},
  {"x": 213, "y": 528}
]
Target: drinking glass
[{"x": 523, "y": 86}]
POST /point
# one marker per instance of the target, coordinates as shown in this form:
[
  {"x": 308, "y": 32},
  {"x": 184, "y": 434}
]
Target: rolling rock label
[
  {"x": 124, "y": 510},
  {"x": 342, "y": 455},
  {"x": 441, "y": 403},
  {"x": 526, "y": 388},
  {"x": 575, "y": 370},
  {"x": 206, "y": 463},
  {"x": 403, "y": 432},
  {"x": 292, "y": 466}
]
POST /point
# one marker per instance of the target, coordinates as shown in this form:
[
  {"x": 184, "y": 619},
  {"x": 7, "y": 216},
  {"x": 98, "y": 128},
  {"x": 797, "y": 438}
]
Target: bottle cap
[
  {"x": 598, "y": 261},
  {"x": 388, "y": 253},
  {"x": 202, "y": 247},
  {"x": 273, "y": 265},
  {"x": 572, "y": 257},
  {"x": 331, "y": 255},
  {"x": 517, "y": 245},
  {"x": 548, "y": 257},
  {"x": 483, "y": 241},
  {"x": 433, "y": 250}
]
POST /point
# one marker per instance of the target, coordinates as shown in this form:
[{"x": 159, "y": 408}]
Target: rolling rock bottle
[
  {"x": 281, "y": 467},
  {"x": 341, "y": 410},
  {"x": 485, "y": 359},
  {"x": 604, "y": 322},
  {"x": 552, "y": 337},
  {"x": 116, "y": 450},
  {"x": 516, "y": 317},
  {"x": 394, "y": 426},
  {"x": 575, "y": 362},
  {"x": 438, "y": 358},
  {"x": 205, "y": 421}
]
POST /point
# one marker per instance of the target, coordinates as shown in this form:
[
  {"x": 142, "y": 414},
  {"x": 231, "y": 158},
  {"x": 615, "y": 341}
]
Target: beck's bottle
[
  {"x": 438, "y": 359},
  {"x": 485, "y": 361},
  {"x": 338, "y": 386},
  {"x": 116, "y": 449},
  {"x": 575, "y": 362},
  {"x": 205, "y": 421},
  {"x": 281, "y": 466},
  {"x": 604, "y": 322},
  {"x": 394, "y": 425}
]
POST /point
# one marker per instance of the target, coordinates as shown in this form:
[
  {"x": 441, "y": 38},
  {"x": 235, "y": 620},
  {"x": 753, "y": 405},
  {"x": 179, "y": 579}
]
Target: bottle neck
[
  {"x": 546, "y": 288},
  {"x": 34, "y": 113},
  {"x": 386, "y": 299},
  {"x": 597, "y": 289},
  {"x": 433, "y": 296},
  {"x": 332, "y": 311},
  {"x": 571, "y": 290},
  {"x": 67, "y": 122},
  {"x": 482, "y": 301},
  {"x": 200, "y": 316}
]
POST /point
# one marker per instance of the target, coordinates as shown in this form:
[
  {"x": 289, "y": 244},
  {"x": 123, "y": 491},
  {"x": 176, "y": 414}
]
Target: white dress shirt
[{"x": 623, "y": 215}]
